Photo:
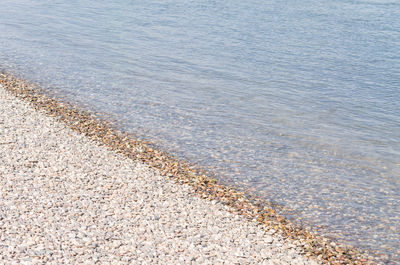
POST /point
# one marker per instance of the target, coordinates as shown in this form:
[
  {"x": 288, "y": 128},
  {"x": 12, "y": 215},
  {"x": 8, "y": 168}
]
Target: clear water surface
[{"x": 296, "y": 101}]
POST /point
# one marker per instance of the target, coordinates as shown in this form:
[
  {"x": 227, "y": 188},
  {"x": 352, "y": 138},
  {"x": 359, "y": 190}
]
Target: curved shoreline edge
[{"x": 103, "y": 132}]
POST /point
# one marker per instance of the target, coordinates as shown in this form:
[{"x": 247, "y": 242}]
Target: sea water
[{"x": 294, "y": 101}]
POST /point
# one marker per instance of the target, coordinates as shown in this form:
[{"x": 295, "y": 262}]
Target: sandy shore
[{"x": 67, "y": 199}]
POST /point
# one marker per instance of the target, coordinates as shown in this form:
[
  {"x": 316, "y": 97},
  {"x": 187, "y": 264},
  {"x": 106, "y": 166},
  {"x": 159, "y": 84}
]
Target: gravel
[{"x": 66, "y": 199}]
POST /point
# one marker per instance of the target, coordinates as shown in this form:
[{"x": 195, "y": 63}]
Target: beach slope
[{"x": 66, "y": 199}]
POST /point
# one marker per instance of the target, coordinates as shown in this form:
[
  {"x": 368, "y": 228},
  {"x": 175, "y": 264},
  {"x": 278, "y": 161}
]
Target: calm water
[{"x": 296, "y": 101}]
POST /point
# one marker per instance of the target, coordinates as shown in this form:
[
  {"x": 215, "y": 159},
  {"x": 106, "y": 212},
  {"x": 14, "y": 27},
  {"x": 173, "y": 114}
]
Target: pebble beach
[
  {"x": 76, "y": 189},
  {"x": 66, "y": 199}
]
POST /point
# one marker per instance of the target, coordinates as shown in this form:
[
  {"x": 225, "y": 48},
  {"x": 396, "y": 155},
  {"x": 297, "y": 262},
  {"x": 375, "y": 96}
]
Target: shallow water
[{"x": 298, "y": 102}]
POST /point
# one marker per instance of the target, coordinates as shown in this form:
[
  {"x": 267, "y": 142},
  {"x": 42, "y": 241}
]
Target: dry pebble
[{"x": 67, "y": 199}]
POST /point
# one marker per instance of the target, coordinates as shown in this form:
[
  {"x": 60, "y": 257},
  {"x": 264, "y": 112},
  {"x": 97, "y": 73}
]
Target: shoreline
[{"x": 182, "y": 172}]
